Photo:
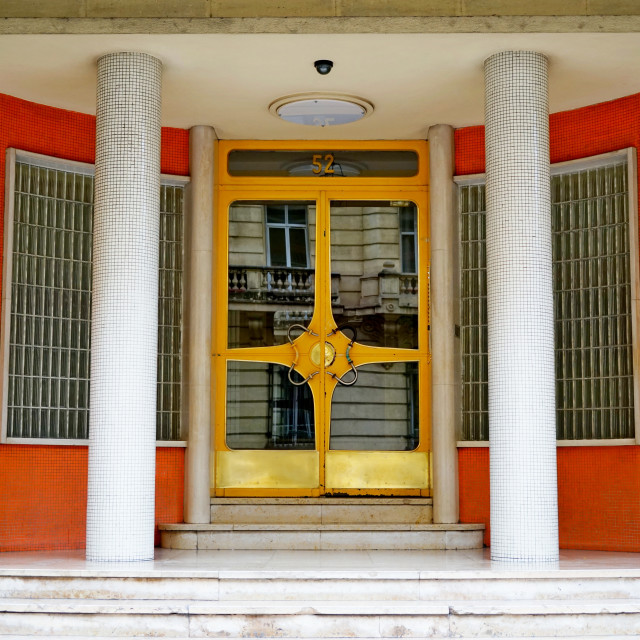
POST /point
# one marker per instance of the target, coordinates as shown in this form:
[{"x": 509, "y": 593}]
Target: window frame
[
  {"x": 287, "y": 226},
  {"x": 629, "y": 155},
  {"x": 413, "y": 234},
  {"x": 59, "y": 164}
]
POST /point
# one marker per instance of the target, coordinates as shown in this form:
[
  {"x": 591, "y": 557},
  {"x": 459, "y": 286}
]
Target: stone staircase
[
  {"x": 319, "y": 568},
  {"x": 322, "y": 524},
  {"x": 178, "y": 599}
]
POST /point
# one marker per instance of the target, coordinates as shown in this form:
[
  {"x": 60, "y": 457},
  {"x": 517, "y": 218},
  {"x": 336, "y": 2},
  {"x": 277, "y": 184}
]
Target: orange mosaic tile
[
  {"x": 599, "y": 498},
  {"x": 473, "y": 471},
  {"x": 169, "y": 486},
  {"x": 43, "y": 488},
  {"x": 43, "y": 497},
  {"x": 598, "y": 487}
]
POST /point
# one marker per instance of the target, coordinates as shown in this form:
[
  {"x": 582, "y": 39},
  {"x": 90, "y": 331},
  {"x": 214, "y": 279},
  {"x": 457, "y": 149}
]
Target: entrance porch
[{"x": 319, "y": 594}]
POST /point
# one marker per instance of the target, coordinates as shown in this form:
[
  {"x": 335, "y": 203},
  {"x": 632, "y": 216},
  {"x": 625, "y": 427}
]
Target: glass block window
[
  {"x": 47, "y": 382},
  {"x": 473, "y": 314},
  {"x": 170, "y": 313},
  {"x": 48, "y": 385},
  {"x": 592, "y": 305},
  {"x": 592, "y": 302}
]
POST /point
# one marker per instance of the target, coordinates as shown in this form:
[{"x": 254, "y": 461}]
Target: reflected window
[
  {"x": 287, "y": 235},
  {"x": 265, "y": 411},
  {"x": 380, "y": 412},
  {"x": 408, "y": 239}
]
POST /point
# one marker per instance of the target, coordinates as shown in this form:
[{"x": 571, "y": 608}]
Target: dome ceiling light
[{"x": 321, "y": 109}]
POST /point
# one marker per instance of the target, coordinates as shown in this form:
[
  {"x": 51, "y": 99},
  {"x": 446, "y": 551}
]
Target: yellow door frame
[{"x": 280, "y": 473}]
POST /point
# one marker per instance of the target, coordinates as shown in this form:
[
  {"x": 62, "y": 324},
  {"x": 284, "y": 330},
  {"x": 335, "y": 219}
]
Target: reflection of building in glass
[{"x": 271, "y": 288}]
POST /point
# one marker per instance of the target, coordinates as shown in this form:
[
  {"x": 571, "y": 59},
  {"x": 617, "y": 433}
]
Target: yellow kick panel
[
  {"x": 258, "y": 469},
  {"x": 377, "y": 469}
]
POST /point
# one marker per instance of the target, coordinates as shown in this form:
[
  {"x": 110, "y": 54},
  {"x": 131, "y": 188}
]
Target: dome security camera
[{"x": 323, "y": 67}]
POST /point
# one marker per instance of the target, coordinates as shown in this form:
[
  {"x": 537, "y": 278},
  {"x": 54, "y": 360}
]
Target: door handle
[
  {"x": 341, "y": 379},
  {"x": 299, "y": 384},
  {"x": 329, "y": 355},
  {"x": 295, "y": 360},
  {"x": 299, "y": 326}
]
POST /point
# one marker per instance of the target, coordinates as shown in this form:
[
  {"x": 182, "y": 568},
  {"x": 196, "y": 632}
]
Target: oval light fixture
[{"x": 321, "y": 109}]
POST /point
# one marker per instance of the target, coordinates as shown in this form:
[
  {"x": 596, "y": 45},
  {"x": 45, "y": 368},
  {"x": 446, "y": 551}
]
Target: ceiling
[{"x": 229, "y": 80}]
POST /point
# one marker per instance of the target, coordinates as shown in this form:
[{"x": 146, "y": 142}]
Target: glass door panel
[
  {"x": 374, "y": 433},
  {"x": 271, "y": 271},
  {"x": 265, "y": 410},
  {"x": 267, "y": 435},
  {"x": 374, "y": 252},
  {"x": 378, "y": 413}
]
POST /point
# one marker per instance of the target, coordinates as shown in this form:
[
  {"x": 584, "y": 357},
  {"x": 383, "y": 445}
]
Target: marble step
[
  {"x": 322, "y": 510},
  {"x": 506, "y": 637},
  {"x": 321, "y": 536},
  {"x": 319, "y": 619},
  {"x": 188, "y": 583}
]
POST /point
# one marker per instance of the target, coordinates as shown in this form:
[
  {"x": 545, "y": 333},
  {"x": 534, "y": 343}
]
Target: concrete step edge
[
  {"x": 373, "y": 573},
  {"x": 323, "y": 607},
  {"x": 224, "y": 607},
  {"x": 438, "y": 637},
  {"x": 546, "y": 607},
  {"x": 303, "y": 502},
  {"x": 342, "y": 527}
]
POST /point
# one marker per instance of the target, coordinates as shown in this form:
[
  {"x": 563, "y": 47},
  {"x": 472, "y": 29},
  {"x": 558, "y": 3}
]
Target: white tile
[
  {"x": 520, "y": 320},
  {"x": 124, "y": 314}
]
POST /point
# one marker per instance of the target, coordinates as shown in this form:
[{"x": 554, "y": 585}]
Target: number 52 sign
[{"x": 322, "y": 164}]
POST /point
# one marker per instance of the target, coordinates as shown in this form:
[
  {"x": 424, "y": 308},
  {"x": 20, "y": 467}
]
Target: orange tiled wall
[
  {"x": 43, "y": 498},
  {"x": 43, "y": 495},
  {"x": 598, "y": 487},
  {"x": 598, "y": 495},
  {"x": 43, "y": 488}
]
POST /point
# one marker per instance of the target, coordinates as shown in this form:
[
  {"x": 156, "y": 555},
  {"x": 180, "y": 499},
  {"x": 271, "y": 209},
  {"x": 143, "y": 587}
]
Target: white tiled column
[
  {"x": 124, "y": 321},
  {"x": 522, "y": 424}
]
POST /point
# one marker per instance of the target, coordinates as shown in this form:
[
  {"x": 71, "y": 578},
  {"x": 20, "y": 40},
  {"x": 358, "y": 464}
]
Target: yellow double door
[{"x": 321, "y": 343}]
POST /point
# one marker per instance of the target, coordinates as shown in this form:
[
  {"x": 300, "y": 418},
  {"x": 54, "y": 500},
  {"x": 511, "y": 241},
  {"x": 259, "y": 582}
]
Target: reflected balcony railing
[
  {"x": 396, "y": 292},
  {"x": 271, "y": 284},
  {"x": 408, "y": 284},
  {"x": 389, "y": 292}
]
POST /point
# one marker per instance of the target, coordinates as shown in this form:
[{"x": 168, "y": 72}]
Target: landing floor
[{"x": 179, "y": 563}]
